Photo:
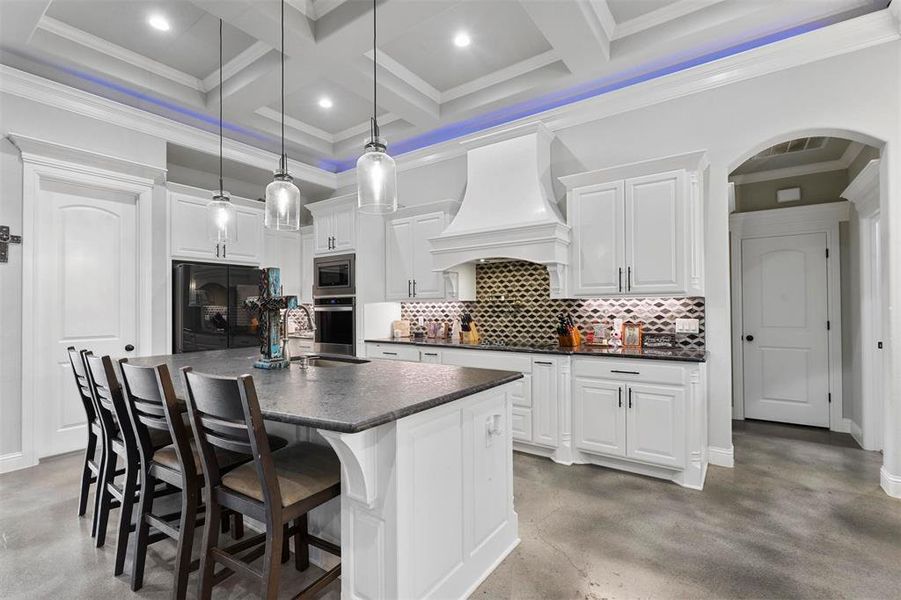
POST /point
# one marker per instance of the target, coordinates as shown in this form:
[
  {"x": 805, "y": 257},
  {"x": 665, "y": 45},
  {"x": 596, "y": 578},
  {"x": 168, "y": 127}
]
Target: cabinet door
[
  {"x": 323, "y": 230},
  {"x": 282, "y": 249},
  {"x": 522, "y": 424},
  {"x": 599, "y": 416},
  {"x": 188, "y": 219},
  {"x": 598, "y": 252},
  {"x": 428, "y": 283},
  {"x": 655, "y": 233},
  {"x": 249, "y": 245},
  {"x": 656, "y": 424},
  {"x": 398, "y": 259},
  {"x": 306, "y": 268},
  {"x": 344, "y": 230},
  {"x": 544, "y": 401}
]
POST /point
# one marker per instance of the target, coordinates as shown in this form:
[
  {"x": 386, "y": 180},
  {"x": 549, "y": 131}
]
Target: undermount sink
[{"x": 329, "y": 361}]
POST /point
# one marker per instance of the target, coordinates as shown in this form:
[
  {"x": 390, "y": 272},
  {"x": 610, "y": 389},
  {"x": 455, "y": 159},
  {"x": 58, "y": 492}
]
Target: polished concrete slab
[{"x": 800, "y": 516}]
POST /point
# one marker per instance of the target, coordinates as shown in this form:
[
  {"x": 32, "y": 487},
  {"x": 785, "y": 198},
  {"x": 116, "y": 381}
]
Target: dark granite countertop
[
  {"x": 347, "y": 399},
  {"x": 677, "y": 354}
]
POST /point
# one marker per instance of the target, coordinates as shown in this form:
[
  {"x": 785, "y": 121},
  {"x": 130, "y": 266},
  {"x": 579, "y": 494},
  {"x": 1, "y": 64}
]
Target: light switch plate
[{"x": 687, "y": 326}]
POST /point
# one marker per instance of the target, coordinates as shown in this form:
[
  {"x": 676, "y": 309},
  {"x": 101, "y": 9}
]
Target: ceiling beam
[{"x": 574, "y": 31}]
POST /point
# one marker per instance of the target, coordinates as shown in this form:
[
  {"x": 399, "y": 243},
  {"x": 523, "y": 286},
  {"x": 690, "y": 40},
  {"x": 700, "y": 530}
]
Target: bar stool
[
  {"x": 91, "y": 467},
  {"x": 119, "y": 441},
  {"x": 276, "y": 488},
  {"x": 152, "y": 406}
]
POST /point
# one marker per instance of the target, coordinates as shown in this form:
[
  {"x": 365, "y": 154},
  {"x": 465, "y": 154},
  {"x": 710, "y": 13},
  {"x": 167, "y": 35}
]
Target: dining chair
[{"x": 277, "y": 489}]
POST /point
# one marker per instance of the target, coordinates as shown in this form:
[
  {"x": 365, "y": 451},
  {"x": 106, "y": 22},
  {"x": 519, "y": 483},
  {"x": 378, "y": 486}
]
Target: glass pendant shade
[
  {"x": 282, "y": 204},
  {"x": 376, "y": 181},
  {"x": 221, "y": 219}
]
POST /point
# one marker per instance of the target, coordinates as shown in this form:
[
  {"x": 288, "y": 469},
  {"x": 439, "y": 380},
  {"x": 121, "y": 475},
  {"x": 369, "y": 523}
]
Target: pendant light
[
  {"x": 221, "y": 215},
  {"x": 282, "y": 196},
  {"x": 376, "y": 171}
]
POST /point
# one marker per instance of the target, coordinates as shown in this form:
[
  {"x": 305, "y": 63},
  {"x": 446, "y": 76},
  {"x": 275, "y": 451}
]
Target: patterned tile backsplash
[{"x": 513, "y": 304}]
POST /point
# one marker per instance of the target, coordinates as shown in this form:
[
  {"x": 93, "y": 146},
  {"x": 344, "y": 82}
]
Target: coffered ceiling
[{"x": 522, "y": 56}]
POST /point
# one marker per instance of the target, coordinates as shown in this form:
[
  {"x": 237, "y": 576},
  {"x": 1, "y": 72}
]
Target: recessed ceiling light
[
  {"x": 325, "y": 102},
  {"x": 461, "y": 40},
  {"x": 159, "y": 22}
]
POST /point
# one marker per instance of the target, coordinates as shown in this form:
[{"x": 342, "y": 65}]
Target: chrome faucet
[{"x": 310, "y": 319}]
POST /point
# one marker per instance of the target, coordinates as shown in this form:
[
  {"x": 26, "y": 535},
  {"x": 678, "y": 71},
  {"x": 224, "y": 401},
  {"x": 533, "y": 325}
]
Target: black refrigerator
[{"x": 208, "y": 306}]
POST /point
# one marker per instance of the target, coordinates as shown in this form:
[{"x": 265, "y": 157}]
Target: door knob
[
  {"x": 749, "y": 338},
  {"x": 129, "y": 347}
]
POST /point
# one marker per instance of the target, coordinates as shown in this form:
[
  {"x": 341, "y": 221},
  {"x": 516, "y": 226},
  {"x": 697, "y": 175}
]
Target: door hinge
[
  {"x": 829, "y": 396},
  {"x": 828, "y": 325},
  {"x": 827, "y": 252}
]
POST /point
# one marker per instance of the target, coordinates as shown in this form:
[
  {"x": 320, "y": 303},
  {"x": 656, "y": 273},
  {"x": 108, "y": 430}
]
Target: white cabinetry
[
  {"x": 409, "y": 268},
  {"x": 545, "y": 395},
  {"x": 600, "y": 421},
  {"x": 283, "y": 249},
  {"x": 334, "y": 225},
  {"x": 655, "y": 233},
  {"x": 656, "y": 427},
  {"x": 637, "y": 229},
  {"x": 188, "y": 229}
]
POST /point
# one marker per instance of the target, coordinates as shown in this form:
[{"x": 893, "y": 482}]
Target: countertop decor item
[
  {"x": 632, "y": 333},
  {"x": 269, "y": 304},
  {"x": 658, "y": 340}
]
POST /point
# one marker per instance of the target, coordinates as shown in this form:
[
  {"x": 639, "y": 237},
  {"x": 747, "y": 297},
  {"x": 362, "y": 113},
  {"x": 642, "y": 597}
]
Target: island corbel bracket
[{"x": 358, "y": 453}]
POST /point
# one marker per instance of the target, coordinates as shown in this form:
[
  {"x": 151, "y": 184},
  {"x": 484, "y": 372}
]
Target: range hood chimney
[{"x": 508, "y": 209}]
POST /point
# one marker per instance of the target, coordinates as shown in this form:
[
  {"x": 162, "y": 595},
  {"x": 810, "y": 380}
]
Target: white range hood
[{"x": 508, "y": 209}]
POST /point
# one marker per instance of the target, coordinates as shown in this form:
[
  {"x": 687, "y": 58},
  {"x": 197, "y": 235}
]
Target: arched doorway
[{"x": 808, "y": 308}]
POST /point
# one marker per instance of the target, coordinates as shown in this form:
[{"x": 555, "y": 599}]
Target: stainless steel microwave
[{"x": 334, "y": 276}]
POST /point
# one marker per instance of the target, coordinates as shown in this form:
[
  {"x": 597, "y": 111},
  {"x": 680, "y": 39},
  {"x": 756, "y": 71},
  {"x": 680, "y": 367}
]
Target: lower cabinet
[{"x": 636, "y": 415}]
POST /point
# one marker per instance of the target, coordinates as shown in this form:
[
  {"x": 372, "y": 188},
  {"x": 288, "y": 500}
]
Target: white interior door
[
  {"x": 786, "y": 345},
  {"x": 86, "y": 268}
]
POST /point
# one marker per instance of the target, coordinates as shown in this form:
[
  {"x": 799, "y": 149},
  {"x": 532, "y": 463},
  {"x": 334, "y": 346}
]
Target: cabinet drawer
[
  {"x": 393, "y": 352},
  {"x": 629, "y": 370},
  {"x": 522, "y": 424},
  {"x": 521, "y": 391},
  {"x": 483, "y": 359}
]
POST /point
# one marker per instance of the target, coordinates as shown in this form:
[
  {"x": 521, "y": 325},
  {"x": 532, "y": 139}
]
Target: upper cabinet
[
  {"x": 334, "y": 225},
  {"x": 188, "y": 229},
  {"x": 409, "y": 269},
  {"x": 636, "y": 232},
  {"x": 306, "y": 265},
  {"x": 283, "y": 250}
]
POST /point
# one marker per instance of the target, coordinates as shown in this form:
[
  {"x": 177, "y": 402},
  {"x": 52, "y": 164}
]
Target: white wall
[
  {"x": 855, "y": 93},
  {"x": 40, "y": 121}
]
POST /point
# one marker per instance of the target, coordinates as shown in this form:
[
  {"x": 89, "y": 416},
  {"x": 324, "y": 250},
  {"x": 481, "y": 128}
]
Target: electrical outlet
[{"x": 687, "y": 326}]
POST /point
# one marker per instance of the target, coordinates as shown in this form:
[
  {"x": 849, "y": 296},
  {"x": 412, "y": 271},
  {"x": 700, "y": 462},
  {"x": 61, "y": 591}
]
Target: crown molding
[
  {"x": 864, "y": 189},
  {"x": 244, "y": 59},
  {"x": 660, "y": 16},
  {"x": 846, "y": 37},
  {"x": 37, "y": 89},
  {"x": 35, "y": 149}
]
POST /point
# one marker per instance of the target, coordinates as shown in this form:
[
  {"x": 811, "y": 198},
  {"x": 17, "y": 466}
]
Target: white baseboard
[
  {"x": 843, "y": 426},
  {"x": 15, "y": 461},
  {"x": 721, "y": 457},
  {"x": 890, "y": 483}
]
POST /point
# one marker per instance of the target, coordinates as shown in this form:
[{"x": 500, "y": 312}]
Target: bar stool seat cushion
[
  {"x": 303, "y": 470},
  {"x": 167, "y": 456}
]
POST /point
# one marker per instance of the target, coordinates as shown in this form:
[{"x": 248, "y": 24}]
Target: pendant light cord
[
  {"x": 220, "y": 107},
  {"x": 284, "y": 158},
  {"x": 374, "y": 125}
]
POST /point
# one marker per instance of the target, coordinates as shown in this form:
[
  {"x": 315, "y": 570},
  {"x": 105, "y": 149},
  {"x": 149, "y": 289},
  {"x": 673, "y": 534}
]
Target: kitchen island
[{"x": 426, "y": 507}]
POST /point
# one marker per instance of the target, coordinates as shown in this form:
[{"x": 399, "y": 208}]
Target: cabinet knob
[{"x": 129, "y": 347}]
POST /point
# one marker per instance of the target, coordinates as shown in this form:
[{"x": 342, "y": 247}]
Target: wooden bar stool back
[
  {"x": 91, "y": 467},
  {"x": 120, "y": 441},
  {"x": 276, "y": 488}
]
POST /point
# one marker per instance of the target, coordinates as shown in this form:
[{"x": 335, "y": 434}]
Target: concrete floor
[{"x": 800, "y": 516}]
